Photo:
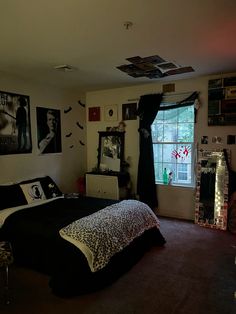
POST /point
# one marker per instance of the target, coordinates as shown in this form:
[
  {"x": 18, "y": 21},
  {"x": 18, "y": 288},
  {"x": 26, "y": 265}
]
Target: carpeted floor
[{"x": 195, "y": 273}]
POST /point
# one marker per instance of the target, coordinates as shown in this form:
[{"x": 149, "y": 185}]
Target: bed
[{"x": 82, "y": 243}]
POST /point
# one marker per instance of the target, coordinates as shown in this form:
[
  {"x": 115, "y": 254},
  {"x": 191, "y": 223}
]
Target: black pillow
[
  {"x": 11, "y": 196},
  {"x": 49, "y": 187}
]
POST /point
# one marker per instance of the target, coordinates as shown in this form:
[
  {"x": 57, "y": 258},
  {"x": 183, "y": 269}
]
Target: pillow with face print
[
  {"x": 48, "y": 185},
  {"x": 33, "y": 191}
]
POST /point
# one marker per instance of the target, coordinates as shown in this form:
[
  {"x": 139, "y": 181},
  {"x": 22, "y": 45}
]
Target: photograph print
[
  {"x": 15, "y": 130},
  {"x": 129, "y": 111},
  {"x": 48, "y": 130}
]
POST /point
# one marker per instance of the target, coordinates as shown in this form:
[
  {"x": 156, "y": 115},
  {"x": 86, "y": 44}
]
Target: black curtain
[
  {"x": 147, "y": 110},
  {"x": 148, "y": 107}
]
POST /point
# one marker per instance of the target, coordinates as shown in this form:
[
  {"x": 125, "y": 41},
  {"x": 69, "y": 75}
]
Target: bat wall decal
[
  {"x": 67, "y": 110},
  {"x": 81, "y": 143},
  {"x": 69, "y": 134},
  {"x": 81, "y": 104},
  {"x": 79, "y": 125}
]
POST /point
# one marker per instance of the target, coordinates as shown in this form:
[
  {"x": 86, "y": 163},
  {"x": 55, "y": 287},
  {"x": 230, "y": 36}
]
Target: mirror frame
[
  {"x": 221, "y": 189},
  {"x": 117, "y": 136}
]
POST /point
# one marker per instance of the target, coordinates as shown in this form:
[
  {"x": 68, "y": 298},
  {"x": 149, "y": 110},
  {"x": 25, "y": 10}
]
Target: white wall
[
  {"x": 173, "y": 201},
  {"x": 65, "y": 167}
]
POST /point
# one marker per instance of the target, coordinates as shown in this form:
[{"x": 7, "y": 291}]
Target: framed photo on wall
[
  {"x": 15, "y": 129},
  {"x": 94, "y": 114},
  {"x": 48, "y": 130},
  {"x": 111, "y": 113},
  {"x": 129, "y": 111}
]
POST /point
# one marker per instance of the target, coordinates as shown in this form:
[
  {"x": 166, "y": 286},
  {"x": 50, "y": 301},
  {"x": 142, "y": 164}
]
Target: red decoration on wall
[{"x": 94, "y": 114}]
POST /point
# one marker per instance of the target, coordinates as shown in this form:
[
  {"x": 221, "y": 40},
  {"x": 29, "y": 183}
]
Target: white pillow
[{"x": 33, "y": 191}]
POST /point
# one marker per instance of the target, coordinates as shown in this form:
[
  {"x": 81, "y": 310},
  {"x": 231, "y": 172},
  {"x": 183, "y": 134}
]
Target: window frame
[{"x": 191, "y": 144}]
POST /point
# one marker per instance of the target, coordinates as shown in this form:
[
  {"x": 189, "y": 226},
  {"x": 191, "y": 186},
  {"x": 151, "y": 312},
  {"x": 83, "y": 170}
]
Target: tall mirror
[
  {"x": 212, "y": 190},
  {"x": 110, "y": 151}
]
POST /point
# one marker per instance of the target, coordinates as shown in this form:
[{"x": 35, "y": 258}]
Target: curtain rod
[{"x": 166, "y": 95}]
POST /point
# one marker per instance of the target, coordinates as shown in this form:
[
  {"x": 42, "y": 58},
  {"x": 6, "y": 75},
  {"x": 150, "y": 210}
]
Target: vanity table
[{"x": 110, "y": 180}]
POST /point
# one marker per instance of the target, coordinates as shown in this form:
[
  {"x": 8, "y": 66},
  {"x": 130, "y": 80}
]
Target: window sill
[{"x": 177, "y": 185}]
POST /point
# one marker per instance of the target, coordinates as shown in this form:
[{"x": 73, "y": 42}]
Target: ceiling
[{"x": 90, "y": 36}]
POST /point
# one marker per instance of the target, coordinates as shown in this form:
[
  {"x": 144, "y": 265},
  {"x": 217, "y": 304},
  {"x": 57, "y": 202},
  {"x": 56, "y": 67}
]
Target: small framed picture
[
  {"x": 111, "y": 113},
  {"x": 94, "y": 114},
  {"x": 204, "y": 139},
  {"x": 129, "y": 111},
  {"x": 217, "y": 140}
]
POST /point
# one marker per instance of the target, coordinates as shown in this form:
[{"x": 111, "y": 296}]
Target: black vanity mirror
[
  {"x": 110, "y": 151},
  {"x": 212, "y": 190}
]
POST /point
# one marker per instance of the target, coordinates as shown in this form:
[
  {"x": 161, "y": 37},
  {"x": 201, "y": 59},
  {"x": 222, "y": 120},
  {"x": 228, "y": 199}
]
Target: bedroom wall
[
  {"x": 182, "y": 204},
  {"x": 63, "y": 167}
]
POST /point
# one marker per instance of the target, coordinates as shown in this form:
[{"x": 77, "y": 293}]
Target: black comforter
[{"x": 34, "y": 235}]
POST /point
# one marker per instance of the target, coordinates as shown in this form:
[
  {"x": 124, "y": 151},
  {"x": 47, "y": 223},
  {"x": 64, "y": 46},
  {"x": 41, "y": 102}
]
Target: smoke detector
[{"x": 65, "y": 68}]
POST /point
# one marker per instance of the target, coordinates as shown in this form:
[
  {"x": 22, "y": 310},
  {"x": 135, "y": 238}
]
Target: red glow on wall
[{"x": 220, "y": 40}]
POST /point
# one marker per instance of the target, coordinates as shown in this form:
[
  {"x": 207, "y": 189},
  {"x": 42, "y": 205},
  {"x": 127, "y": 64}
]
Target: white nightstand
[
  {"x": 110, "y": 185},
  {"x": 102, "y": 186}
]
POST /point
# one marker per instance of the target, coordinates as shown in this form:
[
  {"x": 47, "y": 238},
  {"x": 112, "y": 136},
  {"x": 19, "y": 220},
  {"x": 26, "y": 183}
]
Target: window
[{"x": 173, "y": 144}]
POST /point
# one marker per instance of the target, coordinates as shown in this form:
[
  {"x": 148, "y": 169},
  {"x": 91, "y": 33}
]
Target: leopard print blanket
[{"x": 101, "y": 235}]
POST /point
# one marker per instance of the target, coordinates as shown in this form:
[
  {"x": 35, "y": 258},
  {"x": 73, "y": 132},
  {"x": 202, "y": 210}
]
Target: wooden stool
[{"x": 6, "y": 258}]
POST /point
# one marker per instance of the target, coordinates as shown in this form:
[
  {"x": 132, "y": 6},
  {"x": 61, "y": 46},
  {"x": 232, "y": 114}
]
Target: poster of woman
[
  {"x": 15, "y": 130},
  {"x": 48, "y": 130}
]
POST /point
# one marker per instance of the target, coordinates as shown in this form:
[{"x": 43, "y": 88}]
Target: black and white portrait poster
[
  {"x": 48, "y": 130},
  {"x": 15, "y": 131}
]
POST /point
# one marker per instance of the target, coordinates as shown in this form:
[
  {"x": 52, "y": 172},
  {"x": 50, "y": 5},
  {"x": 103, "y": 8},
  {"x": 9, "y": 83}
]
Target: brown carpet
[{"x": 194, "y": 273}]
